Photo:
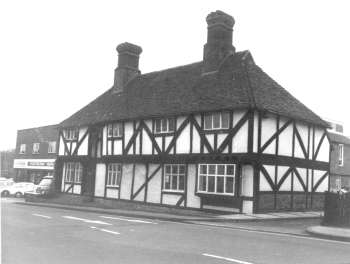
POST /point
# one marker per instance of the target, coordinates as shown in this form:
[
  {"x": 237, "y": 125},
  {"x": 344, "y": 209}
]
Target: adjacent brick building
[
  {"x": 35, "y": 154},
  {"x": 339, "y": 158}
]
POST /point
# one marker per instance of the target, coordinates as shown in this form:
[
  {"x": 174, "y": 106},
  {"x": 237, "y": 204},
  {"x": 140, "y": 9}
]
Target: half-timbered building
[{"x": 215, "y": 134}]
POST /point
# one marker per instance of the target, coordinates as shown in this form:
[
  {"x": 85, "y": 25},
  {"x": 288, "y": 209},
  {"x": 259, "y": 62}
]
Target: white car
[{"x": 18, "y": 189}]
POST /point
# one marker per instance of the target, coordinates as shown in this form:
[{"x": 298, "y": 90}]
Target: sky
[{"x": 57, "y": 56}]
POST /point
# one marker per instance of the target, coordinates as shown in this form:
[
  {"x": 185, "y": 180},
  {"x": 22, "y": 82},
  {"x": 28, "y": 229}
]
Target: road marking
[
  {"x": 105, "y": 230},
  {"x": 86, "y": 220},
  {"x": 43, "y": 216},
  {"x": 109, "y": 231},
  {"x": 228, "y": 259},
  {"x": 129, "y": 220}
]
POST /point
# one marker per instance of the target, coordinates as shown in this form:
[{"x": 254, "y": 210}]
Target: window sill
[
  {"x": 216, "y": 130},
  {"x": 172, "y": 192},
  {"x": 160, "y": 134},
  {"x": 112, "y": 186},
  {"x": 115, "y": 138},
  {"x": 214, "y": 194}
]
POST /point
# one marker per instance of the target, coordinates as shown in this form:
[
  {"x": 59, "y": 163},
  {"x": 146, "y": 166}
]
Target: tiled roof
[
  {"x": 338, "y": 138},
  {"x": 239, "y": 83}
]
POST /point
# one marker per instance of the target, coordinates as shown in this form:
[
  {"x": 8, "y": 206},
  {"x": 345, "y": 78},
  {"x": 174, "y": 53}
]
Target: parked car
[
  {"x": 18, "y": 189},
  {"x": 46, "y": 186},
  {"x": 5, "y": 183}
]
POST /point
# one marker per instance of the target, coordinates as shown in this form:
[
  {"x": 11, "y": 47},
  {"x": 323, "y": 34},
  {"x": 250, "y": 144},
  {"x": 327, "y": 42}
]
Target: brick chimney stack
[
  {"x": 219, "y": 41},
  {"x": 128, "y": 65}
]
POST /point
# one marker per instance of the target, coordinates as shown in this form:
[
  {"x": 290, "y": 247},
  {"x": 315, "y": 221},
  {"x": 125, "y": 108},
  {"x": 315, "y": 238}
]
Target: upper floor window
[
  {"x": 341, "y": 155},
  {"x": 219, "y": 120},
  {"x": 52, "y": 147},
  {"x": 36, "y": 147},
  {"x": 115, "y": 130},
  {"x": 174, "y": 177},
  {"x": 73, "y": 172},
  {"x": 22, "y": 149},
  {"x": 71, "y": 134},
  {"x": 114, "y": 174},
  {"x": 216, "y": 178},
  {"x": 164, "y": 125}
]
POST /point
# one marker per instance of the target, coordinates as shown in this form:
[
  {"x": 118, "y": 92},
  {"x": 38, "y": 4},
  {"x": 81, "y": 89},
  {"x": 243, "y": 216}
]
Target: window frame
[
  {"x": 50, "y": 144},
  {"x": 36, "y": 150},
  {"x": 341, "y": 155},
  {"x": 164, "y": 122},
  {"x": 118, "y": 175},
  {"x": 71, "y": 134},
  {"x": 216, "y": 176},
  {"x": 213, "y": 127},
  {"x": 22, "y": 150},
  {"x": 73, "y": 172},
  {"x": 118, "y": 126},
  {"x": 176, "y": 175}
]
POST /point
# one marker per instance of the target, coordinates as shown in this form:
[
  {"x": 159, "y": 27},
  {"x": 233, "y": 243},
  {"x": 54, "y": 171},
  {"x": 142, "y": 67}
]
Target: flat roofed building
[{"x": 36, "y": 153}]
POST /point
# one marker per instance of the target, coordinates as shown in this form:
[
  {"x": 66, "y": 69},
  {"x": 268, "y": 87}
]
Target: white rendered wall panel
[
  {"x": 159, "y": 142},
  {"x": 61, "y": 147},
  {"x": 240, "y": 140},
  {"x": 128, "y": 131},
  {"x": 154, "y": 185},
  {"x": 285, "y": 142},
  {"x": 192, "y": 199},
  {"x": 183, "y": 141},
  {"x": 146, "y": 144},
  {"x": 255, "y": 132},
  {"x": 140, "y": 178},
  {"x": 237, "y": 116},
  {"x": 221, "y": 138},
  {"x": 324, "y": 184},
  {"x": 286, "y": 186},
  {"x": 247, "y": 180},
  {"x": 196, "y": 142},
  {"x": 104, "y": 140},
  {"x": 77, "y": 189},
  {"x": 171, "y": 199},
  {"x": 118, "y": 147},
  {"x": 179, "y": 121},
  {"x": 126, "y": 182},
  {"x": 264, "y": 184},
  {"x": 112, "y": 193},
  {"x": 100, "y": 179},
  {"x": 167, "y": 142}
]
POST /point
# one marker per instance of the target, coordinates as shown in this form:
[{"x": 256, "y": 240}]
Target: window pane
[
  {"x": 182, "y": 169},
  {"x": 120, "y": 127},
  {"x": 212, "y": 169},
  {"x": 110, "y": 130},
  {"x": 208, "y": 122},
  {"x": 229, "y": 184},
  {"x": 202, "y": 183},
  {"x": 181, "y": 183},
  {"x": 167, "y": 182},
  {"x": 115, "y": 130},
  {"x": 171, "y": 124},
  {"x": 203, "y": 169},
  {"x": 225, "y": 120},
  {"x": 174, "y": 169},
  {"x": 157, "y": 125},
  {"x": 164, "y": 125},
  {"x": 211, "y": 183},
  {"x": 220, "y": 184},
  {"x": 230, "y": 170},
  {"x": 221, "y": 169},
  {"x": 216, "y": 120},
  {"x": 168, "y": 169},
  {"x": 174, "y": 182}
]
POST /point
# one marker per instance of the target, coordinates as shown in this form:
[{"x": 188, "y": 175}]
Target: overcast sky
[{"x": 57, "y": 56}]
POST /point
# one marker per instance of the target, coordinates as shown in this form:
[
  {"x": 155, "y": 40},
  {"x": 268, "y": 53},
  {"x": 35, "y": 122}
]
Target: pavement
[
  {"x": 329, "y": 232},
  {"x": 41, "y": 234}
]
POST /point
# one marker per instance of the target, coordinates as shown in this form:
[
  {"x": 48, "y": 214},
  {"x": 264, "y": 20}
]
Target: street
[{"x": 32, "y": 234}]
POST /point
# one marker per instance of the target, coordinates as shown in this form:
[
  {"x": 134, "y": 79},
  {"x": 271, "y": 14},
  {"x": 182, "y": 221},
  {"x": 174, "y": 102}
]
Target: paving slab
[{"x": 337, "y": 233}]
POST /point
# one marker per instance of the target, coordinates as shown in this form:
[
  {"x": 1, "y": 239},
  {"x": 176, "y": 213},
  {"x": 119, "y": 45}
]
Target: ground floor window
[
  {"x": 216, "y": 178},
  {"x": 174, "y": 177},
  {"x": 73, "y": 172},
  {"x": 114, "y": 173}
]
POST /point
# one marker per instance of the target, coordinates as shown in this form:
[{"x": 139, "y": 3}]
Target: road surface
[{"x": 33, "y": 234}]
